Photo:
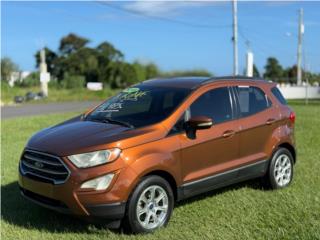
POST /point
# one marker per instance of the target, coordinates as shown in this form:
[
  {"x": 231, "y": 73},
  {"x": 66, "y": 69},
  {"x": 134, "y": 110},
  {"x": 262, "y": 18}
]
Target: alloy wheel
[
  {"x": 282, "y": 170},
  {"x": 152, "y": 207}
]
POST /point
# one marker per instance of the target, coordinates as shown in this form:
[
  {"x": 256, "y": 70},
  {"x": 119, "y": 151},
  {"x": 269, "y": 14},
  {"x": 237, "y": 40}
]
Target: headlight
[
  {"x": 100, "y": 183},
  {"x": 91, "y": 159}
]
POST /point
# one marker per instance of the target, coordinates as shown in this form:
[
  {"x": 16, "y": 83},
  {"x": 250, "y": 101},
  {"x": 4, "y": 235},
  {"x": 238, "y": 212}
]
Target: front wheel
[
  {"x": 280, "y": 171},
  {"x": 150, "y": 205}
]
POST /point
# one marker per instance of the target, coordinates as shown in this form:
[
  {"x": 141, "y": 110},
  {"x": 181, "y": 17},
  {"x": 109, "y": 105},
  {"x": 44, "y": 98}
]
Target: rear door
[{"x": 257, "y": 120}]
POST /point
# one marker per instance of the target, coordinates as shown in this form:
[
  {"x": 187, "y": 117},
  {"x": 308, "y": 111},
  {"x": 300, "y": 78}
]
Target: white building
[{"x": 18, "y": 77}]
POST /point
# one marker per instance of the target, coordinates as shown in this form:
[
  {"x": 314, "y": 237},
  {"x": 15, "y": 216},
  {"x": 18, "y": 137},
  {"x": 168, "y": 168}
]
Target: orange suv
[{"x": 129, "y": 159}]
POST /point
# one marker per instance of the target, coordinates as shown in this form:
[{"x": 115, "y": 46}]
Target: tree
[
  {"x": 140, "y": 71},
  {"x": 107, "y": 52},
  {"x": 124, "y": 76},
  {"x": 71, "y": 43},
  {"x": 83, "y": 62},
  {"x": 151, "y": 70},
  {"x": 290, "y": 74},
  {"x": 273, "y": 70},
  {"x": 107, "y": 55},
  {"x": 256, "y": 73},
  {"x": 76, "y": 61},
  {"x": 7, "y": 67},
  {"x": 186, "y": 73},
  {"x": 51, "y": 58}
]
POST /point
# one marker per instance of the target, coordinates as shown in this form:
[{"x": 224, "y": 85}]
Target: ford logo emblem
[{"x": 38, "y": 165}]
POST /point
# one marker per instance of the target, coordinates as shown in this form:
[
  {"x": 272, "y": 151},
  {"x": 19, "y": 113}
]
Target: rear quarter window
[
  {"x": 251, "y": 100},
  {"x": 276, "y": 92}
]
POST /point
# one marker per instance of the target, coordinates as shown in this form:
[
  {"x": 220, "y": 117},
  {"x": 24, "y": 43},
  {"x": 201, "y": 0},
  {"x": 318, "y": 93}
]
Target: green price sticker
[{"x": 131, "y": 90}]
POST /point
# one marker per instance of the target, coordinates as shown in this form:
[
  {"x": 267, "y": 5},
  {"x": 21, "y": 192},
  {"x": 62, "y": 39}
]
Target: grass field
[
  {"x": 55, "y": 95},
  {"x": 242, "y": 211}
]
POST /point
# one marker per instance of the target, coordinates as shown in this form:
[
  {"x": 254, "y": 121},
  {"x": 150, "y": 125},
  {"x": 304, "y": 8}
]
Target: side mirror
[
  {"x": 197, "y": 123},
  {"x": 200, "y": 122}
]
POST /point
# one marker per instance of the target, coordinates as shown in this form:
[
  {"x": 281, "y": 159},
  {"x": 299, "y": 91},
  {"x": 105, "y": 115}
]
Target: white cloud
[{"x": 159, "y": 8}]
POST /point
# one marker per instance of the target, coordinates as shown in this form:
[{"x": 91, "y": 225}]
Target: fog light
[{"x": 100, "y": 183}]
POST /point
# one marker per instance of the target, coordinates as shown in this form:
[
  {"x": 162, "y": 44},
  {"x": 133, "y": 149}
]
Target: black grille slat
[
  {"x": 43, "y": 170},
  {"x": 37, "y": 159},
  {"x": 43, "y": 167},
  {"x": 58, "y": 168}
]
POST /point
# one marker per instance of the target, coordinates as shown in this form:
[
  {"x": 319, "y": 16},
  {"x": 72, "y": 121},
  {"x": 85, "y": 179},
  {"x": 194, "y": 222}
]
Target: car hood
[{"x": 77, "y": 136}]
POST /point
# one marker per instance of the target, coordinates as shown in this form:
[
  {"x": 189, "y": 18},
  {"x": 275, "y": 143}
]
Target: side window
[
  {"x": 251, "y": 100},
  {"x": 276, "y": 92},
  {"x": 214, "y": 104}
]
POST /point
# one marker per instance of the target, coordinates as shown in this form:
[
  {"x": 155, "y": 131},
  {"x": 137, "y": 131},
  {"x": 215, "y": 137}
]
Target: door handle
[
  {"x": 270, "y": 121},
  {"x": 228, "y": 133}
]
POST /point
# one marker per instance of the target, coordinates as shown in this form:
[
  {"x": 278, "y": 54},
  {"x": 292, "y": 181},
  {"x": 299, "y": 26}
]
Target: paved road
[{"x": 45, "y": 108}]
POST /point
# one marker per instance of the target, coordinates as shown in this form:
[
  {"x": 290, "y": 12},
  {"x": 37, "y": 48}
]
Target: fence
[{"x": 300, "y": 92}]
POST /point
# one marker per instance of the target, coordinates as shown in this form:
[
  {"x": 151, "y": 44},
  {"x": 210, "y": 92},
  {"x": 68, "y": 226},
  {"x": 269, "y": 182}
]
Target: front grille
[{"x": 43, "y": 167}]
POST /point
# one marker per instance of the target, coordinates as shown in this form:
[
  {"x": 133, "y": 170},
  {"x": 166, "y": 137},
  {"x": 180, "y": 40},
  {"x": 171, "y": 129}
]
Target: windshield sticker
[
  {"x": 113, "y": 107},
  {"x": 131, "y": 90},
  {"x": 133, "y": 96},
  {"x": 130, "y": 94}
]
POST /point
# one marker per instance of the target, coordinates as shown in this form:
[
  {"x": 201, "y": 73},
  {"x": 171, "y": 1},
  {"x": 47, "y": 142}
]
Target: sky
[{"x": 174, "y": 35}]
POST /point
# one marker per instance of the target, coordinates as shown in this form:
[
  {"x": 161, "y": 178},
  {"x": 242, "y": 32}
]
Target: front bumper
[
  {"x": 111, "y": 211},
  {"x": 69, "y": 198}
]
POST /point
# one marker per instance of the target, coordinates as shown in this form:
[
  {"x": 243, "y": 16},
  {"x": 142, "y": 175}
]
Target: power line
[
  {"x": 189, "y": 24},
  {"x": 268, "y": 45}
]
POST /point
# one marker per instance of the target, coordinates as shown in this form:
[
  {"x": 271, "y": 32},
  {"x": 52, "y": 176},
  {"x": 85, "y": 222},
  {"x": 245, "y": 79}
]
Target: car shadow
[
  {"x": 15, "y": 210},
  {"x": 22, "y": 213}
]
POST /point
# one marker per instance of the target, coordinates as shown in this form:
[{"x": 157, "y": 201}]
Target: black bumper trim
[
  {"x": 61, "y": 209},
  {"x": 107, "y": 211},
  {"x": 111, "y": 211}
]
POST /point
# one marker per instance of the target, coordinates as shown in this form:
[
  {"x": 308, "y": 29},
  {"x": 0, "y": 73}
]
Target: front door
[{"x": 213, "y": 150}]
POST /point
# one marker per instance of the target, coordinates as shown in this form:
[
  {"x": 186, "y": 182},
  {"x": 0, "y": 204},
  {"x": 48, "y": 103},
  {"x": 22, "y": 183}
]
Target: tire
[
  {"x": 280, "y": 171},
  {"x": 145, "y": 213}
]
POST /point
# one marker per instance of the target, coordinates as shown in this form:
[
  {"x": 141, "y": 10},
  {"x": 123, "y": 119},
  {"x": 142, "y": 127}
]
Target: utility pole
[
  {"x": 299, "y": 54},
  {"x": 235, "y": 38},
  {"x": 249, "y": 68},
  {"x": 44, "y": 75}
]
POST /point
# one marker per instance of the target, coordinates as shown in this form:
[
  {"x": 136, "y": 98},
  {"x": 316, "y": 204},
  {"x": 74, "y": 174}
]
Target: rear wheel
[
  {"x": 280, "y": 172},
  {"x": 150, "y": 205}
]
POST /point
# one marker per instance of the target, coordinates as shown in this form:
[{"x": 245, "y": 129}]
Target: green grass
[
  {"x": 55, "y": 95},
  {"x": 242, "y": 211}
]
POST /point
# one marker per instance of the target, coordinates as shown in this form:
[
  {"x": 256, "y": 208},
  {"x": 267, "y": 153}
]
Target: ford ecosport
[{"x": 129, "y": 159}]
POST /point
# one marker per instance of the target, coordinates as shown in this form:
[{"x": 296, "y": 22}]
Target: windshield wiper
[{"x": 112, "y": 121}]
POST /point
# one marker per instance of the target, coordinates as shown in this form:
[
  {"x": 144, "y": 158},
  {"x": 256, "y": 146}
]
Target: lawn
[
  {"x": 242, "y": 211},
  {"x": 55, "y": 95}
]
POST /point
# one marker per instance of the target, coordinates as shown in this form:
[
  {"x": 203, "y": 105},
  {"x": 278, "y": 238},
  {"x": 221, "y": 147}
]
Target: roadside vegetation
[
  {"x": 76, "y": 62},
  {"x": 56, "y": 94},
  {"x": 242, "y": 211}
]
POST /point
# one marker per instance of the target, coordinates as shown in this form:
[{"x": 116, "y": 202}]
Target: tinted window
[
  {"x": 214, "y": 104},
  {"x": 276, "y": 92},
  {"x": 140, "y": 105},
  {"x": 251, "y": 100}
]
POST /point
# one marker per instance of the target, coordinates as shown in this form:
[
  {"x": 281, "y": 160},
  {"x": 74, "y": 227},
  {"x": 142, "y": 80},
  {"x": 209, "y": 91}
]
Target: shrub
[
  {"x": 73, "y": 81},
  {"x": 32, "y": 80},
  {"x": 54, "y": 83}
]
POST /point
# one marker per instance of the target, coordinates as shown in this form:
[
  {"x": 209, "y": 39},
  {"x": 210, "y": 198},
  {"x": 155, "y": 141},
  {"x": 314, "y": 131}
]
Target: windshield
[{"x": 139, "y": 106}]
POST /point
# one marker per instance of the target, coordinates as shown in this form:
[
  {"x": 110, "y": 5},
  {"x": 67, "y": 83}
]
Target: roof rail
[{"x": 230, "y": 78}]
